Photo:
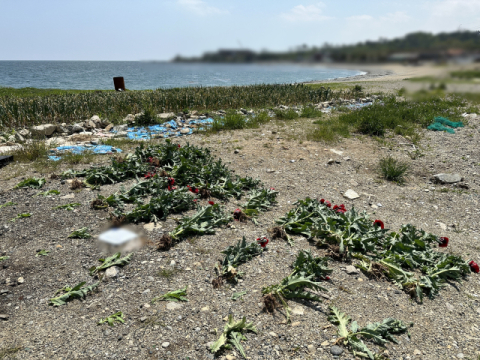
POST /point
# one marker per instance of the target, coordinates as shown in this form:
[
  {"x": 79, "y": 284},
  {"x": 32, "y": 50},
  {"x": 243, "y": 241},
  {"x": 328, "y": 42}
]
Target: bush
[
  {"x": 329, "y": 131},
  {"x": 310, "y": 112},
  {"x": 31, "y": 151},
  {"x": 394, "y": 170},
  {"x": 148, "y": 117},
  {"x": 289, "y": 114}
]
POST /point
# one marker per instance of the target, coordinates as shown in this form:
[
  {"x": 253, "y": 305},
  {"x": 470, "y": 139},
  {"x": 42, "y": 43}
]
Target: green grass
[
  {"x": 289, "y": 114},
  {"x": 310, "y": 112},
  {"x": 26, "y": 107},
  {"x": 31, "y": 151},
  {"x": 329, "y": 131},
  {"x": 466, "y": 74},
  {"x": 234, "y": 121},
  {"x": 392, "y": 169},
  {"x": 402, "y": 117}
]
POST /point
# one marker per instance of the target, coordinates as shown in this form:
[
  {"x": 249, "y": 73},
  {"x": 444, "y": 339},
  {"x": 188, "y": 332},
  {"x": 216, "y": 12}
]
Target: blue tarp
[
  {"x": 144, "y": 133},
  {"x": 79, "y": 149}
]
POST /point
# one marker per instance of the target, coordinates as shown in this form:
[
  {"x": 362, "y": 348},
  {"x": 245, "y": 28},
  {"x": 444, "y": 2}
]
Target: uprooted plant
[
  {"x": 308, "y": 265},
  {"x": 349, "y": 235},
  {"x": 47, "y": 193},
  {"x": 176, "y": 295},
  {"x": 110, "y": 320},
  {"x": 233, "y": 334},
  {"x": 203, "y": 222},
  {"x": 9, "y": 203},
  {"x": 235, "y": 256},
  {"x": 68, "y": 207},
  {"x": 379, "y": 333},
  {"x": 77, "y": 292},
  {"x": 33, "y": 183},
  {"x": 113, "y": 260},
  {"x": 21, "y": 216},
  {"x": 260, "y": 200},
  {"x": 80, "y": 234},
  {"x": 291, "y": 287},
  {"x": 42, "y": 253}
]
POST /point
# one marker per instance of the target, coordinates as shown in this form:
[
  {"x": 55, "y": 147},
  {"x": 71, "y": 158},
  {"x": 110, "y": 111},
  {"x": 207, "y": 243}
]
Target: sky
[{"x": 162, "y": 29}]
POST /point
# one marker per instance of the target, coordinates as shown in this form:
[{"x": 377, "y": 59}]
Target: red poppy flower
[
  {"x": 327, "y": 278},
  {"x": 171, "y": 181},
  {"x": 272, "y": 188},
  {"x": 379, "y": 223},
  {"x": 262, "y": 241},
  {"x": 322, "y": 201},
  {"x": 328, "y": 203},
  {"x": 194, "y": 200},
  {"x": 474, "y": 267},
  {"x": 211, "y": 203},
  {"x": 340, "y": 209},
  {"x": 236, "y": 214},
  {"x": 171, "y": 188},
  {"x": 149, "y": 175},
  {"x": 179, "y": 146},
  {"x": 150, "y": 159},
  {"x": 443, "y": 242}
]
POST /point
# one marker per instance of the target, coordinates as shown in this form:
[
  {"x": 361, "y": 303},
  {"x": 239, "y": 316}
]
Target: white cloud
[
  {"x": 396, "y": 17},
  {"x": 306, "y": 13},
  {"x": 200, "y": 7},
  {"x": 448, "y": 8},
  {"x": 360, "y": 18}
]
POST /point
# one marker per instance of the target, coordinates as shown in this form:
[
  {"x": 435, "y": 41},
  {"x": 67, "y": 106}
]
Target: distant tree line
[{"x": 429, "y": 45}]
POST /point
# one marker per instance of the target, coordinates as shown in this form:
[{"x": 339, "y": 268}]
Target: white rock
[
  {"x": 152, "y": 226},
  {"x": 166, "y": 116},
  {"x": 442, "y": 226},
  {"x": 165, "y": 344},
  {"x": 112, "y": 272},
  {"x": 96, "y": 119},
  {"x": 24, "y": 133},
  {"x": 350, "y": 194},
  {"x": 272, "y": 334},
  {"x": 350, "y": 270},
  {"x": 185, "y": 131},
  {"x": 338, "y": 152},
  {"x": 297, "y": 311},
  {"x": 173, "y": 306},
  {"x": 43, "y": 130},
  {"x": 206, "y": 308},
  {"x": 20, "y": 280},
  {"x": 129, "y": 118}
]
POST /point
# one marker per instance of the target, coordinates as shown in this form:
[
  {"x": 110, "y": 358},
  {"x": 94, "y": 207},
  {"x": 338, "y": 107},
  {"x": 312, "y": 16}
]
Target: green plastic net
[{"x": 440, "y": 122}]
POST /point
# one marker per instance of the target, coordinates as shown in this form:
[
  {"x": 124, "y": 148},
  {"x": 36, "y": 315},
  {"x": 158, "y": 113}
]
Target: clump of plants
[
  {"x": 379, "y": 333},
  {"x": 233, "y": 334},
  {"x": 398, "y": 256},
  {"x": 21, "y": 216},
  {"x": 392, "y": 169},
  {"x": 235, "y": 256},
  {"x": 112, "y": 319},
  {"x": 203, "y": 222},
  {"x": 80, "y": 234}
]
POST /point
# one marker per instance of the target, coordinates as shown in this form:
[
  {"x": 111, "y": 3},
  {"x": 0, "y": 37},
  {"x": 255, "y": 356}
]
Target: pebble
[
  {"x": 165, "y": 344},
  {"x": 351, "y": 195},
  {"x": 336, "y": 350},
  {"x": 112, "y": 272},
  {"x": 20, "y": 280},
  {"x": 230, "y": 357},
  {"x": 173, "y": 306},
  {"x": 351, "y": 270},
  {"x": 417, "y": 352},
  {"x": 271, "y": 333},
  {"x": 311, "y": 349},
  {"x": 297, "y": 311},
  {"x": 460, "y": 355},
  {"x": 330, "y": 161}
]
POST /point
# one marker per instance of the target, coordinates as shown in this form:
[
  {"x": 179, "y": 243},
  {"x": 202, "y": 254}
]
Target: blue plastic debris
[
  {"x": 145, "y": 133},
  {"x": 80, "y": 149}
]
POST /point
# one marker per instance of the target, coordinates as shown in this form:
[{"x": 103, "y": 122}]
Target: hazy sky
[{"x": 161, "y": 29}]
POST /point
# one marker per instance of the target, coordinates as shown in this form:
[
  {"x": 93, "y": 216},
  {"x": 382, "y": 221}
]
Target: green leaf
[
  {"x": 21, "y": 216},
  {"x": 80, "y": 234},
  {"x": 10, "y": 203},
  {"x": 113, "y": 260},
  {"x": 68, "y": 207},
  {"x": 31, "y": 182},
  {"x": 238, "y": 295},
  {"x": 117, "y": 317},
  {"x": 2, "y": 258},
  {"x": 42, "y": 253},
  {"x": 233, "y": 333},
  {"x": 77, "y": 292},
  {"x": 340, "y": 319},
  {"x": 47, "y": 193},
  {"x": 176, "y": 295},
  {"x": 237, "y": 255}
]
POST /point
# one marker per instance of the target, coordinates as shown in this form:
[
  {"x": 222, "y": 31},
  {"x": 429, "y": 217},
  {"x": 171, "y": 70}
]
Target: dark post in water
[{"x": 119, "y": 83}]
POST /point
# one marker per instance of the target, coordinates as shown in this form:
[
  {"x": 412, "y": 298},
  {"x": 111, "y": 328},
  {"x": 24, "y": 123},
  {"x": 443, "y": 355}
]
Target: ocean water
[{"x": 98, "y": 75}]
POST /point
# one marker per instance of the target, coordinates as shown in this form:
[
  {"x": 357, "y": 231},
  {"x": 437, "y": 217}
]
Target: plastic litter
[
  {"x": 117, "y": 236},
  {"x": 80, "y": 149},
  {"x": 440, "y": 122},
  {"x": 167, "y": 129}
]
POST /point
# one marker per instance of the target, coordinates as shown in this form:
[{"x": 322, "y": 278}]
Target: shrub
[
  {"x": 394, "y": 170},
  {"x": 289, "y": 114},
  {"x": 310, "y": 112}
]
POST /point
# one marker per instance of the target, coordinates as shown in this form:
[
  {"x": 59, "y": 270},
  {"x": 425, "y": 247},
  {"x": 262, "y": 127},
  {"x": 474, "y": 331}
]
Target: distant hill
[{"x": 414, "y": 46}]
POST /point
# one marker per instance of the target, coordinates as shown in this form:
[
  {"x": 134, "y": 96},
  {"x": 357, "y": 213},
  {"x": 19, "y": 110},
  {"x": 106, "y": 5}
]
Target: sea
[{"x": 98, "y": 75}]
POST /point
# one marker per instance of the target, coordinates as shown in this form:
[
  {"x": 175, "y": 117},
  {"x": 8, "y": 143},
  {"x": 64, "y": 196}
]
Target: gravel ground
[{"x": 446, "y": 327}]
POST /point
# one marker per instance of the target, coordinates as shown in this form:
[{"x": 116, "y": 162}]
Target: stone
[
  {"x": 206, "y": 308},
  {"x": 297, "y": 311},
  {"x": 351, "y": 270},
  {"x": 311, "y": 349},
  {"x": 129, "y": 118},
  {"x": 449, "y": 306},
  {"x": 19, "y": 137},
  {"x": 330, "y": 161},
  {"x": 96, "y": 120},
  {"x": 109, "y": 127},
  {"x": 270, "y": 171},
  {"x": 24, "y": 133},
  {"x": 89, "y": 124},
  {"x": 143, "y": 318},
  {"x": 236, "y": 151},
  {"x": 417, "y": 352},
  {"x": 296, "y": 323},
  {"x": 230, "y": 357},
  {"x": 20, "y": 280},
  {"x": 185, "y": 131},
  {"x": 350, "y": 194},
  {"x": 447, "y": 178},
  {"x": 166, "y": 116},
  {"x": 112, "y": 272},
  {"x": 69, "y": 196},
  {"x": 174, "y": 306},
  {"x": 442, "y": 226},
  {"x": 209, "y": 345},
  {"x": 272, "y": 334},
  {"x": 460, "y": 355},
  {"x": 4, "y": 317},
  {"x": 338, "y": 152},
  {"x": 152, "y": 226},
  {"x": 325, "y": 343},
  {"x": 336, "y": 350},
  {"x": 75, "y": 129},
  {"x": 43, "y": 130},
  {"x": 165, "y": 344}
]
